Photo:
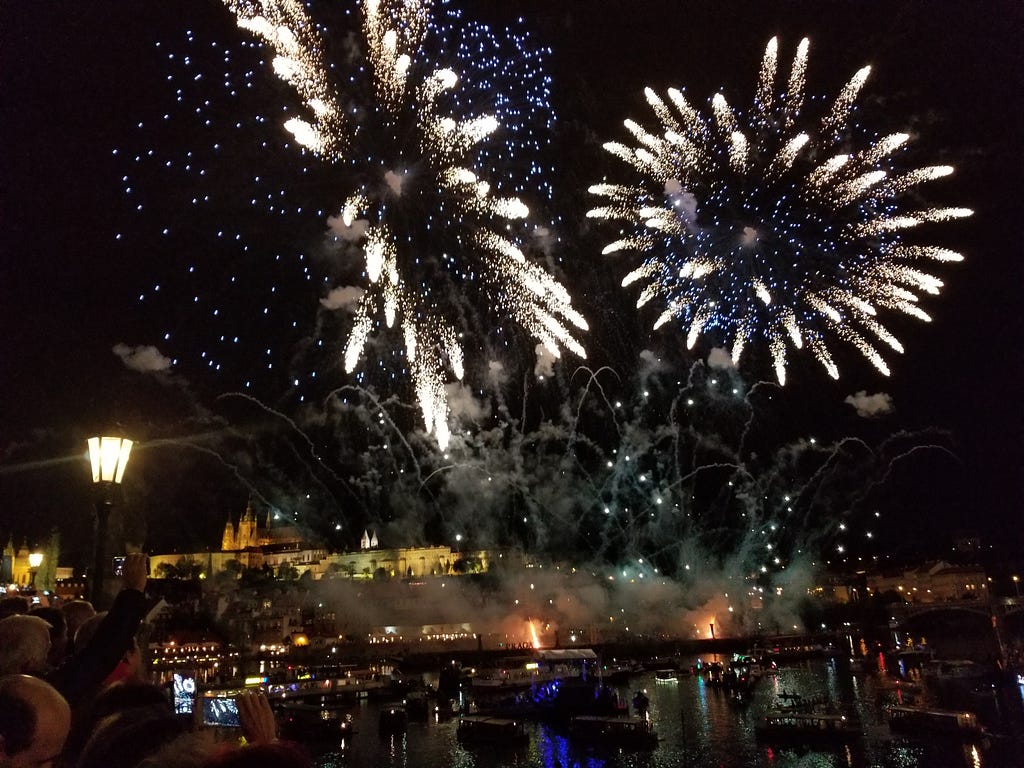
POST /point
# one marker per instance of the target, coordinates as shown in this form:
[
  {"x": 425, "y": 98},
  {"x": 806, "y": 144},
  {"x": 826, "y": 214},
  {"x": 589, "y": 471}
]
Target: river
[{"x": 698, "y": 727}]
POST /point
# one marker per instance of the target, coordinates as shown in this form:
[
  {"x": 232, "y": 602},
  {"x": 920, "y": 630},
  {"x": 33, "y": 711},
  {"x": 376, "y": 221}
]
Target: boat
[
  {"x": 525, "y": 672},
  {"x": 418, "y": 706},
  {"x": 714, "y": 674},
  {"x": 631, "y": 733},
  {"x": 795, "y": 727},
  {"x": 666, "y": 676},
  {"x": 934, "y": 721},
  {"x": 345, "y": 681},
  {"x": 303, "y": 722},
  {"x": 492, "y": 731},
  {"x": 393, "y": 720},
  {"x": 862, "y": 664},
  {"x": 617, "y": 674}
]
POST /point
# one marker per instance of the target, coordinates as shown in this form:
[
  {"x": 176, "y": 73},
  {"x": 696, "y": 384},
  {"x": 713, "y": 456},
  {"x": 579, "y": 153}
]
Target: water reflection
[{"x": 699, "y": 726}]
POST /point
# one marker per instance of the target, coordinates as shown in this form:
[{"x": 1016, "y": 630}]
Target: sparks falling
[
  {"x": 432, "y": 229},
  {"x": 758, "y": 227}
]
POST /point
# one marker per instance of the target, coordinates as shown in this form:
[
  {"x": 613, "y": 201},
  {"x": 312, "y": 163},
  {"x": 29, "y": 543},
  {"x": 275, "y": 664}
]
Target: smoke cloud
[
  {"x": 394, "y": 182},
  {"x": 721, "y": 359},
  {"x": 545, "y": 364},
  {"x": 144, "y": 359},
  {"x": 344, "y": 297},
  {"x": 870, "y": 406},
  {"x": 350, "y": 233}
]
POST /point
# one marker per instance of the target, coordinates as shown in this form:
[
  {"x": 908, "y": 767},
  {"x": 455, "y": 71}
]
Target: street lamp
[
  {"x": 34, "y": 561},
  {"x": 108, "y": 457},
  {"x": 1016, "y": 585}
]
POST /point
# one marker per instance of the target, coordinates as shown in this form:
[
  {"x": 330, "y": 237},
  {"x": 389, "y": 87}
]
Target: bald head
[{"x": 34, "y": 722}]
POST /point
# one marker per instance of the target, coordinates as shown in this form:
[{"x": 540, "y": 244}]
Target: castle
[
  {"x": 249, "y": 535},
  {"x": 251, "y": 545}
]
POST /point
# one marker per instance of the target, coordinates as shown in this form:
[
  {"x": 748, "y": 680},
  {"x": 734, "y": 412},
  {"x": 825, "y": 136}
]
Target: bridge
[{"x": 998, "y": 608}]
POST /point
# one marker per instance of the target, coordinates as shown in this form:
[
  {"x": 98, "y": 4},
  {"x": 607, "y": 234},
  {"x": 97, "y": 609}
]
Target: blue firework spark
[{"x": 767, "y": 227}]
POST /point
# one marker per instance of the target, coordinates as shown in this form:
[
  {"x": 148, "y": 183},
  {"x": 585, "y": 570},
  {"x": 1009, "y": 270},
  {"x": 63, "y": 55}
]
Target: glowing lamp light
[
  {"x": 109, "y": 457},
  {"x": 35, "y": 560}
]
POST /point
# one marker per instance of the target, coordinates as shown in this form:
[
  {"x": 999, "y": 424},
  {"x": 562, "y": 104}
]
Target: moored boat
[
  {"x": 492, "y": 731},
  {"x": 666, "y": 676},
  {"x": 313, "y": 722},
  {"x": 618, "y": 732},
  {"x": 393, "y": 720},
  {"x": 545, "y": 667},
  {"x": 935, "y": 721},
  {"x": 818, "y": 728}
]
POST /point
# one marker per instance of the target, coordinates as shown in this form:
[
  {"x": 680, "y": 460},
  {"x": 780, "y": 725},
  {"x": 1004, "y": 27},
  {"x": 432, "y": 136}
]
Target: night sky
[{"x": 77, "y": 78}]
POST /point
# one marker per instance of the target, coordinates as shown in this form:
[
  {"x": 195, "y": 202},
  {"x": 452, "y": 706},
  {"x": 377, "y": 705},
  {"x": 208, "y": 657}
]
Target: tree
[
  {"x": 166, "y": 571},
  {"x": 288, "y": 572}
]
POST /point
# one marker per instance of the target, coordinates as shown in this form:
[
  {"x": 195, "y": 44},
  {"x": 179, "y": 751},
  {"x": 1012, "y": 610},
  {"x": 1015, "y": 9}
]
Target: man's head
[
  {"x": 24, "y": 645},
  {"x": 34, "y": 722},
  {"x": 13, "y": 605},
  {"x": 58, "y": 632},
  {"x": 76, "y": 613}
]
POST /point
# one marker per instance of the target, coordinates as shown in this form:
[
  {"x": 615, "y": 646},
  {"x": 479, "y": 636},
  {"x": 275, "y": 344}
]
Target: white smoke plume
[
  {"x": 721, "y": 359},
  {"x": 144, "y": 359},
  {"x": 343, "y": 297},
  {"x": 350, "y": 233},
  {"x": 870, "y": 406},
  {"x": 394, "y": 182},
  {"x": 464, "y": 406},
  {"x": 545, "y": 364}
]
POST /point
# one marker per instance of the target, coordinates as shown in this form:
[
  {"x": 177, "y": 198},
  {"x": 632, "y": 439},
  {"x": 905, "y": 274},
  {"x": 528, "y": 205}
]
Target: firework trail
[
  {"x": 437, "y": 239},
  {"x": 763, "y": 226}
]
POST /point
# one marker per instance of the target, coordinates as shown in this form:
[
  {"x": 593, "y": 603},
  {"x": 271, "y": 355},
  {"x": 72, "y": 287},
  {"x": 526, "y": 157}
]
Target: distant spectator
[
  {"x": 34, "y": 722},
  {"x": 76, "y": 613},
  {"x": 12, "y": 605},
  {"x": 24, "y": 645},
  {"x": 58, "y": 632}
]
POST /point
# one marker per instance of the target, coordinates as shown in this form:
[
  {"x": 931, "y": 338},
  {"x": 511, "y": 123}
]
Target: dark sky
[{"x": 75, "y": 78}]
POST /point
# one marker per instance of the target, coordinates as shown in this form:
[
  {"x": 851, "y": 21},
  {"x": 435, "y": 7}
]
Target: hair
[
  {"x": 76, "y": 612},
  {"x": 87, "y": 629},
  {"x": 24, "y": 644},
  {"x": 123, "y": 739},
  {"x": 190, "y": 750},
  {"x": 279, "y": 754},
  {"x": 12, "y": 605},
  {"x": 113, "y": 700},
  {"x": 17, "y": 716},
  {"x": 55, "y": 618}
]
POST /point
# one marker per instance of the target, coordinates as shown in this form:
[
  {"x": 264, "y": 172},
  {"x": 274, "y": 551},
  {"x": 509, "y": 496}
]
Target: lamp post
[
  {"x": 1016, "y": 585},
  {"x": 108, "y": 457},
  {"x": 34, "y": 561}
]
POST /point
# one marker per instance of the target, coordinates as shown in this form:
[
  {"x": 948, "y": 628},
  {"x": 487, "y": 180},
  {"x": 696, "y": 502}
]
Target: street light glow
[{"x": 109, "y": 457}]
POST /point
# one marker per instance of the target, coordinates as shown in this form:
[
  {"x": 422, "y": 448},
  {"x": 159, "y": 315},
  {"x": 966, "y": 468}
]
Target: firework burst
[
  {"x": 437, "y": 238},
  {"x": 763, "y": 226}
]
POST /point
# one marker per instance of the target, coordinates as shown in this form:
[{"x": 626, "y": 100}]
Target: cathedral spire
[{"x": 228, "y": 541}]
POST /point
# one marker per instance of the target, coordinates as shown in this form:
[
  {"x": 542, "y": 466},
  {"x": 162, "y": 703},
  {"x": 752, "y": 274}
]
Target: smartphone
[
  {"x": 118, "y": 566},
  {"x": 220, "y": 709},
  {"x": 184, "y": 693}
]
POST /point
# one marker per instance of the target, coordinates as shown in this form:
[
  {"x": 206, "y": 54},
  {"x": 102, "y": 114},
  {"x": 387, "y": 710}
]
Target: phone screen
[
  {"x": 118, "y": 566},
  {"x": 184, "y": 693},
  {"x": 220, "y": 710}
]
